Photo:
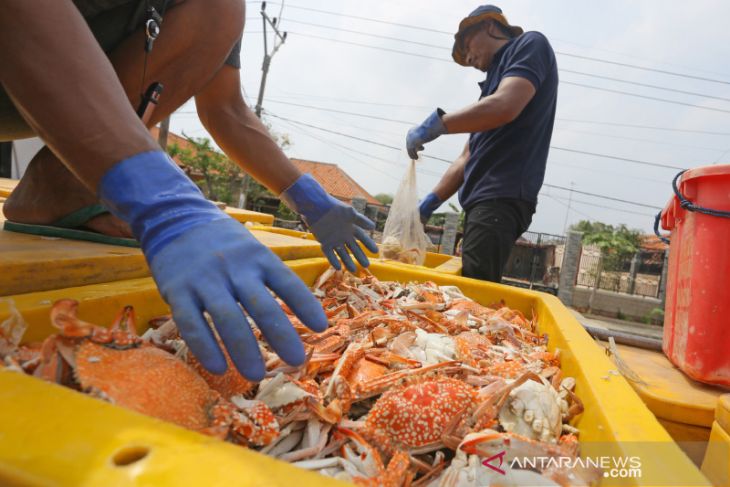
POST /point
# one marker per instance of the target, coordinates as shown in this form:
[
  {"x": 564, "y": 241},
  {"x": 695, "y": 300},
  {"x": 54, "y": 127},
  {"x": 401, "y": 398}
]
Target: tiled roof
[
  {"x": 334, "y": 180},
  {"x": 173, "y": 139},
  {"x": 652, "y": 242}
]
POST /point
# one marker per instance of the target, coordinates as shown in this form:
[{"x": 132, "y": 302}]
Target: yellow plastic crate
[
  {"x": 686, "y": 408},
  {"x": 62, "y": 437},
  {"x": 447, "y": 264},
  {"x": 31, "y": 263},
  {"x": 716, "y": 464},
  {"x": 7, "y": 186}
]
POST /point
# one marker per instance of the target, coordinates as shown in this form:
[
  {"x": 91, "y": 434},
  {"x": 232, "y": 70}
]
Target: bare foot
[{"x": 49, "y": 191}]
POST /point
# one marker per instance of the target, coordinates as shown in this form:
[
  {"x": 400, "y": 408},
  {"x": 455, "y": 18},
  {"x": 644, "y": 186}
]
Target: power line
[
  {"x": 606, "y": 156},
  {"x": 341, "y": 147},
  {"x": 350, "y": 100},
  {"x": 646, "y": 85},
  {"x": 562, "y": 53},
  {"x": 568, "y": 206},
  {"x": 344, "y": 100},
  {"x": 379, "y": 48},
  {"x": 333, "y": 110},
  {"x": 643, "y": 68},
  {"x": 354, "y": 137},
  {"x": 369, "y": 19},
  {"x": 644, "y": 205},
  {"x": 617, "y": 158},
  {"x": 637, "y": 126},
  {"x": 613, "y": 208},
  {"x": 614, "y": 173},
  {"x": 636, "y": 95},
  {"x": 434, "y": 46},
  {"x": 369, "y": 34},
  {"x": 437, "y": 158},
  {"x": 367, "y": 154},
  {"x": 646, "y": 97},
  {"x": 639, "y": 139},
  {"x": 573, "y": 120}
]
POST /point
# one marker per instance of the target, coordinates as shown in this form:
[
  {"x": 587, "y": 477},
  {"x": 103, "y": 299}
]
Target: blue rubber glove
[
  {"x": 336, "y": 225},
  {"x": 428, "y": 205},
  {"x": 430, "y": 129},
  {"x": 204, "y": 261}
]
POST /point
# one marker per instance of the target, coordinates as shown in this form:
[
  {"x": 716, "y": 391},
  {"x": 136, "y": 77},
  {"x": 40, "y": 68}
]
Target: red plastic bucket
[{"x": 697, "y": 311}]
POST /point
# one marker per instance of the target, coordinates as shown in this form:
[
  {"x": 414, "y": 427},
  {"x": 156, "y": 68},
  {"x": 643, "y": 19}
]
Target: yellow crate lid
[
  {"x": 722, "y": 412},
  {"x": 7, "y": 186},
  {"x": 668, "y": 392},
  {"x": 32, "y": 263}
]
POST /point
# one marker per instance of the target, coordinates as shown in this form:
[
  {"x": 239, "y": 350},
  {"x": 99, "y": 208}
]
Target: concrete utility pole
[
  {"x": 279, "y": 39},
  {"x": 567, "y": 211},
  {"x": 162, "y": 134}
]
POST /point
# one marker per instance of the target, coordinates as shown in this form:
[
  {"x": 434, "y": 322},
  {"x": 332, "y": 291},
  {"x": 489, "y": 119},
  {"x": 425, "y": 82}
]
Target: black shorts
[
  {"x": 490, "y": 231},
  {"x": 111, "y": 22}
]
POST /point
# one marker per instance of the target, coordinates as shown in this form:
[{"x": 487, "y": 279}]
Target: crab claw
[
  {"x": 63, "y": 317},
  {"x": 363, "y": 455}
]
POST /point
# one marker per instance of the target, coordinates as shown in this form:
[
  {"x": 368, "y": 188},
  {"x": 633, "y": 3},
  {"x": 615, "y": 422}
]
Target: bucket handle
[
  {"x": 688, "y": 205},
  {"x": 656, "y": 228}
]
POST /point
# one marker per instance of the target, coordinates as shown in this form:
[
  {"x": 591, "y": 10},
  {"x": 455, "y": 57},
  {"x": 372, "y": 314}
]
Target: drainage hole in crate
[{"x": 129, "y": 455}]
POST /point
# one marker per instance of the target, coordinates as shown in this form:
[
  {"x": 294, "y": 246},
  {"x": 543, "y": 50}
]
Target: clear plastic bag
[{"x": 403, "y": 237}]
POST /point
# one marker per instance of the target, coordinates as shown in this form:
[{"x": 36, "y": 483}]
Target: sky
[{"x": 334, "y": 74}]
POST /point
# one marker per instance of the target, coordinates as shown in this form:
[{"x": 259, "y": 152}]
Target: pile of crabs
[{"x": 412, "y": 384}]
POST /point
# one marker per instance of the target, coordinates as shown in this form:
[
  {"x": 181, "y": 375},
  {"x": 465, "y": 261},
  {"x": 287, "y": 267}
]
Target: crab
[
  {"x": 17, "y": 357},
  {"x": 414, "y": 416},
  {"x": 488, "y": 443},
  {"x": 533, "y": 410},
  {"x": 118, "y": 366}
]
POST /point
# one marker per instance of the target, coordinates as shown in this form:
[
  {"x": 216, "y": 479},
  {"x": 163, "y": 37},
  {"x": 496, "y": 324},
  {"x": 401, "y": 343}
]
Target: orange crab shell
[
  {"x": 147, "y": 380},
  {"x": 417, "y": 413},
  {"x": 509, "y": 369},
  {"x": 228, "y": 384},
  {"x": 471, "y": 347}
]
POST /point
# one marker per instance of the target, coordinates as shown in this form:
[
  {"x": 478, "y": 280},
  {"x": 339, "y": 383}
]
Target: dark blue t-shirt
[{"x": 509, "y": 161}]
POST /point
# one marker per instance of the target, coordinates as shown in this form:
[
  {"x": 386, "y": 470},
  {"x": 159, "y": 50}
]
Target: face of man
[{"x": 480, "y": 46}]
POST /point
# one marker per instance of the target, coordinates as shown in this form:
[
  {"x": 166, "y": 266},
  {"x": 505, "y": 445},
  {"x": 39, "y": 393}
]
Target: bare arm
[
  {"x": 240, "y": 134},
  {"x": 495, "y": 110},
  {"x": 453, "y": 178},
  {"x": 66, "y": 89}
]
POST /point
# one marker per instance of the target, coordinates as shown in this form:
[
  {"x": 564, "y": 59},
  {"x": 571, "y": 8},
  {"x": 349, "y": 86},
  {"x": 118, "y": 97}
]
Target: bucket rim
[{"x": 704, "y": 171}]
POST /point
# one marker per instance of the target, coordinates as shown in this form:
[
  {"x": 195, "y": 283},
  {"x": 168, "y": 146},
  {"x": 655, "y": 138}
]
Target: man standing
[{"x": 501, "y": 170}]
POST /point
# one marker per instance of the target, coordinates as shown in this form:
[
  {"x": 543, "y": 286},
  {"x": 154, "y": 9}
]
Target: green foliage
[
  {"x": 654, "y": 317},
  {"x": 438, "y": 219},
  {"x": 610, "y": 239},
  {"x": 616, "y": 243},
  {"x": 285, "y": 213},
  {"x": 384, "y": 198},
  {"x": 221, "y": 177},
  {"x": 620, "y": 315}
]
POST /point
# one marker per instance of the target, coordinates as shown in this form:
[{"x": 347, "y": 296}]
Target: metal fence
[
  {"x": 639, "y": 274},
  {"x": 535, "y": 262}
]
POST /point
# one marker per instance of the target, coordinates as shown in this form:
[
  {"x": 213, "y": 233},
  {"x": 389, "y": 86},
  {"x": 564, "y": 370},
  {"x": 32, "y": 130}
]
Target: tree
[
  {"x": 219, "y": 174},
  {"x": 615, "y": 245},
  {"x": 222, "y": 179},
  {"x": 384, "y": 198}
]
